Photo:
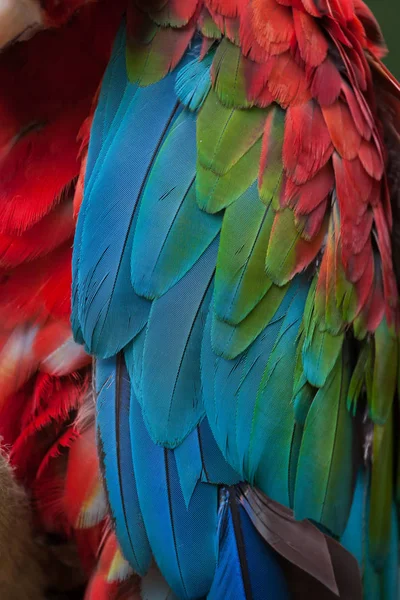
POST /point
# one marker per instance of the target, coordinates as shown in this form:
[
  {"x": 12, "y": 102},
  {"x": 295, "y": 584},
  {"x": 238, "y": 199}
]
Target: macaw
[{"x": 235, "y": 275}]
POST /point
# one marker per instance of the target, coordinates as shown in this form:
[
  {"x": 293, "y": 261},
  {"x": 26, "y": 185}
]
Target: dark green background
[{"x": 388, "y": 14}]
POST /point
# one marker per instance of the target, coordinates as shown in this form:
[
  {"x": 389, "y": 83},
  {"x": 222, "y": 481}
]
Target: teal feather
[
  {"x": 182, "y": 539},
  {"x": 198, "y": 458},
  {"x": 382, "y": 584},
  {"x": 320, "y": 352},
  {"x": 134, "y": 361},
  {"x": 274, "y": 439},
  {"x": 114, "y": 87},
  {"x": 255, "y": 433},
  {"x": 113, "y": 400},
  {"x": 193, "y": 82},
  {"x": 171, "y": 389}
]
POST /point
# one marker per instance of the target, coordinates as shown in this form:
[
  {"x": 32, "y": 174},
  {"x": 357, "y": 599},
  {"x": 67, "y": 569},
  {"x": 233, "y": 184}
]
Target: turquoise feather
[
  {"x": 171, "y": 387},
  {"x": 182, "y": 539},
  {"x": 110, "y": 313},
  {"x": 193, "y": 82},
  {"x": 113, "y": 400},
  {"x": 254, "y": 432}
]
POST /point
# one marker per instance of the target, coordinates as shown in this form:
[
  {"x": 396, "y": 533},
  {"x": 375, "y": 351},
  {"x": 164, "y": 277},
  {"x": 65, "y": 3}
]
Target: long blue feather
[
  {"x": 114, "y": 95},
  {"x": 110, "y": 313},
  {"x": 248, "y": 568},
  {"x": 113, "y": 389},
  {"x": 182, "y": 539},
  {"x": 171, "y": 383}
]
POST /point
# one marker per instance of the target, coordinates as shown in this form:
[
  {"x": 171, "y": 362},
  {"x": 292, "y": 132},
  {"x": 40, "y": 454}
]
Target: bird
[{"x": 208, "y": 404}]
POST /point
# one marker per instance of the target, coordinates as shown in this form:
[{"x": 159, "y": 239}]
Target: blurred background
[{"x": 388, "y": 14}]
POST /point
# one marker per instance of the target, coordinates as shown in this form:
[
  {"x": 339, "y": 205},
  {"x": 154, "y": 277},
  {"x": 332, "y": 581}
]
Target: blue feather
[
  {"x": 198, "y": 458},
  {"x": 168, "y": 244},
  {"x": 113, "y": 389},
  {"x": 113, "y": 87},
  {"x": 134, "y": 361},
  {"x": 110, "y": 313},
  {"x": 171, "y": 384},
  {"x": 114, "y": 95},
  {"x": 182, "y": 539},
  {"x": 193, "y": 82},
  {"x": 247, "y": 568}
]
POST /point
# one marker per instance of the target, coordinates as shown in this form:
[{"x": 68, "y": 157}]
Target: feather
[
  {"x": 323, "y": 488},
  {"x": 380, "y": 515},
  {"x": 178, "y": 230},
  {"x": 240, "y": 281},
  {"x": 245, "y": 413},
  {"x": 247, "y": 567},
  {"x": 182, "y": 540},
  {"x": 193, "y": 82},
  {"x": 300, "y": 542},
  {"x": 271, "y": 175},
  {"x": 153, "y": 51},
  {"x": 107, "y": 302},
  {"x": 198, "y": 458},
  {"x": 224, "y": 137},
  {"x": 113, "y": 399},
  {"x": 385, "y": 373},
  {"x": 171, "y": 387},
  {"x": 231, "y": 340}
]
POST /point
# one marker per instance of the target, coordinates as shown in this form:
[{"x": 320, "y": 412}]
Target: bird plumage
[{"x": 233, "y": 275}]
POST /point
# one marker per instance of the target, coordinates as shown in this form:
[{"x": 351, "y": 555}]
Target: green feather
[
  {"x": 358, "y": 376},
  {"x": 241, "y": 281},
  {"x": 385, "y": 373},
  {"x": 140, "y": 55},
  {"x": 229, "y": 77},
  {"x": 381, "y": 493},
  {"x": 320, "y": 353},
  {"x": 230, "y": 340},
  {"x": 271, "y": 179},
  {"x": 287, "y": 252},
  {"x": 215, "y": 192},
  {"x": 302, "y": 402},
  {"x": 325, "y": 473},
  {"x": 224, "y": 137}
]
